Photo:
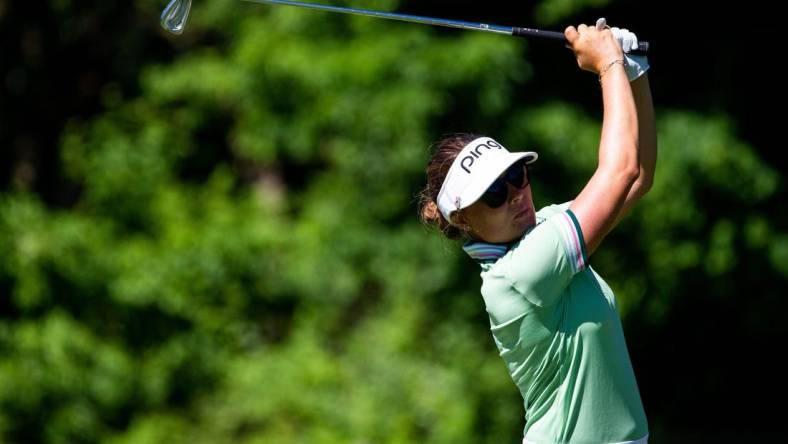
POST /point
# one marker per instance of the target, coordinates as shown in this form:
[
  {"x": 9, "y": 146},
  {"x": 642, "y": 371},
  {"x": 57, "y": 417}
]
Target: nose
[{"x": 515, "y": 194}]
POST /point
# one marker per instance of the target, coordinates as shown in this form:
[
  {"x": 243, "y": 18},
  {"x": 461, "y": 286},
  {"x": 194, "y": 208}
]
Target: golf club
[{"x": 174, "y": 16}]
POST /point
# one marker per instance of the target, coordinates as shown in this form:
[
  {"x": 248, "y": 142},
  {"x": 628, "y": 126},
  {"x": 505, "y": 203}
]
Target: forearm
[
  {"x": 647, "y": 132},
  {"x": 647, "y": 141},
  {"x": 618, "y": 146}
]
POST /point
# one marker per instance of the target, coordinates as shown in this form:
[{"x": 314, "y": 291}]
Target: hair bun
[{"x": 430, "y": 212}]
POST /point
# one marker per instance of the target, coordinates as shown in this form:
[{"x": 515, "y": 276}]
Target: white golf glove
[{"x": 636, "y": 65}]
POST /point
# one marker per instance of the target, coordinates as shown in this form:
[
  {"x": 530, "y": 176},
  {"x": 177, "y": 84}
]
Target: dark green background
[{"x": 213, "y": 238}]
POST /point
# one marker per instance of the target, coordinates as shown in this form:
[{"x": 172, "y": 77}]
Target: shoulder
[{"x": 552, "y": 209}]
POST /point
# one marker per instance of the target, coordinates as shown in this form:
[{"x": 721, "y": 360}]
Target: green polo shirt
[{"x": 555, "y": 323}]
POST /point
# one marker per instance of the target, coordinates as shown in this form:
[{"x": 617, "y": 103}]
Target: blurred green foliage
[{"x": 244, "y": 262}]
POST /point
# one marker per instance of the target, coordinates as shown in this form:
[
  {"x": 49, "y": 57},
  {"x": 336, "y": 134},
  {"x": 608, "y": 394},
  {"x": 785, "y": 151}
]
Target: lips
[{"x": 521, "y": 214}]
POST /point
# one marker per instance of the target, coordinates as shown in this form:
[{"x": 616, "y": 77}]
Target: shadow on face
[{"x": 503, "y": 224}]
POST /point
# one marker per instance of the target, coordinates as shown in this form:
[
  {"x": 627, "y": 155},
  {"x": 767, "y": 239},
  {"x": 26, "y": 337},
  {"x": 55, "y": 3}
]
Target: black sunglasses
[{"x": 498, "y": 192}]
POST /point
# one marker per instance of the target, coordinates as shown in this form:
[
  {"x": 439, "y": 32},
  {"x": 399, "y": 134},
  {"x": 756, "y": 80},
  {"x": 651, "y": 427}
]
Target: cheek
[
  {"x": 492, "y": 225},
  {"x": 496, "y": 227},
  {"x": 483, "y": 220}
]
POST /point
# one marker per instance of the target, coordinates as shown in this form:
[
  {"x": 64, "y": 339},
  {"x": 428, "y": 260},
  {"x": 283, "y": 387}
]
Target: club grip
[
  {"x": 642, "y": 48},
  {"x": 528, "y": 32}
]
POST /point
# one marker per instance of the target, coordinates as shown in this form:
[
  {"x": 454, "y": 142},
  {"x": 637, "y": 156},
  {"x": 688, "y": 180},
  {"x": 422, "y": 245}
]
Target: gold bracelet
[{"x": 608, "y": 66}]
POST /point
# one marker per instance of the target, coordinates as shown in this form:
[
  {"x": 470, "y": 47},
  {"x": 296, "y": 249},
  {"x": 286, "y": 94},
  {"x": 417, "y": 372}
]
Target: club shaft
[
  {"x": 394, "y": 16},
  {"x": 508, "y": 30}
]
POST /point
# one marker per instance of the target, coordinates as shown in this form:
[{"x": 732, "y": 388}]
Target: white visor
[{"x": 473, "y": 171}]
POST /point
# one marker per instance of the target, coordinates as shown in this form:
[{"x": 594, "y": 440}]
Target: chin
[
  {"x": 526, "y": 222},
  {"x": 523, "y": 226}
]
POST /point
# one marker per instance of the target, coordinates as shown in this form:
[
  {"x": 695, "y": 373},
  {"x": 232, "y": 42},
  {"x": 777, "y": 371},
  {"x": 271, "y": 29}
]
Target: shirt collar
[{"x": 486, "y": 252}]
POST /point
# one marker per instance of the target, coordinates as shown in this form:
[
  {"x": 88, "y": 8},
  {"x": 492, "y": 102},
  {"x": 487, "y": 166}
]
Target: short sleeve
[{"x": 542, "y": 265}]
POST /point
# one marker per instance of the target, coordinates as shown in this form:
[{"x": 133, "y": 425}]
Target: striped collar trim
[{"x": 485, "y": 252}]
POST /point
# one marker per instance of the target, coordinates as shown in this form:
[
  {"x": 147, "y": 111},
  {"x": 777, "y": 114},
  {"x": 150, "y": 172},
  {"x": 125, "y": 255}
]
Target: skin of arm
[
  {"x": 600, "y": 203},
  {"x": 647, "y": 142}
]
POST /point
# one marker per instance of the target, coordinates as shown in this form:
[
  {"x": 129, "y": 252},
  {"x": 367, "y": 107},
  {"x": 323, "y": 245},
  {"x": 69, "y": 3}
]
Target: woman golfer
[{"x": 552, "y": 317}]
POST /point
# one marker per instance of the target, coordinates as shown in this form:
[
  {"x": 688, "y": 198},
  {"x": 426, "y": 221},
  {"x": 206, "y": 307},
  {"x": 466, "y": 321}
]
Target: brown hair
[{"x": 445, "y": 151}]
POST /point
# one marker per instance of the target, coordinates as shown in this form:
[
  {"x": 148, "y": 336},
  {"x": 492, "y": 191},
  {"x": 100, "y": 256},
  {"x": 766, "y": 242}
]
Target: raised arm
[
  {"x": 647, "y": 142},
  {"x": 599, "y": 204}
]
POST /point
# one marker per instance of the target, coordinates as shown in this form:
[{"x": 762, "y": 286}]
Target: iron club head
[{"x": 174, "y": 16}]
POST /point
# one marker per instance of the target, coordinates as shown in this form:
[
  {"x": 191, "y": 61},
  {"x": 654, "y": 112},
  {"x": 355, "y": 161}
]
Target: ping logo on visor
[{"x": 477, "y": 152}]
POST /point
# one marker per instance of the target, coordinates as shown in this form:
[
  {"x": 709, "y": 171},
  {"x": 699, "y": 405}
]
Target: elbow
[
  {"x": 622, "y": 178},
  {"x": 640, "y": 188},
  {"x": 621, "y": 162},
  {"x": 630, "y": 176},
  {"x": 644, "y": 183},
  {"x": 631, "y": 170},
  {"x": 645, "y": 180}
]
